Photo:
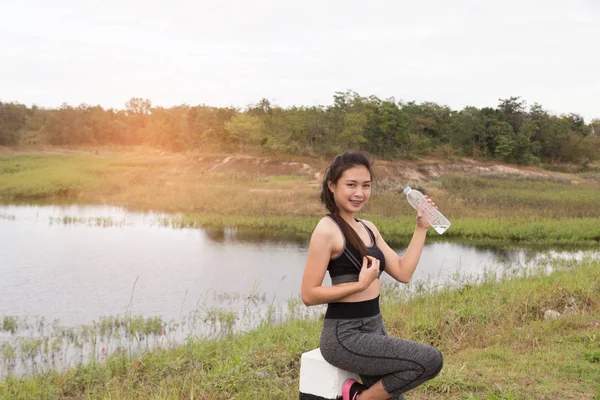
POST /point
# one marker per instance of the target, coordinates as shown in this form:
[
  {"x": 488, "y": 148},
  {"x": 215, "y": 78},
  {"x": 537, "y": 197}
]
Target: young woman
[{"x": 355, "y": 254}]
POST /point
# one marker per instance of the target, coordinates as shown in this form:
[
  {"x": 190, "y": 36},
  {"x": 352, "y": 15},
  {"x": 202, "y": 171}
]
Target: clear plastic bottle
[{"x": 431, "y": 214}]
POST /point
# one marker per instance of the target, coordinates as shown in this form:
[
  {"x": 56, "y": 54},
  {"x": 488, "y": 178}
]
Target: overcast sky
[{"x": 235, "y": 52}]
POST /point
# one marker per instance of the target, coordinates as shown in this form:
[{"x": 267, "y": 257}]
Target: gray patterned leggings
[{"x": 361, "y": 345}]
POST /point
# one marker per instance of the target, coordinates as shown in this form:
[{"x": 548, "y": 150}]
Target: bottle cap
[{"x": 407, "y": 190}]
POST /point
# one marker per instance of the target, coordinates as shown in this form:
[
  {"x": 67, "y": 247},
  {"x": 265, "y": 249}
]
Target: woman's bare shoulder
[{"x": 326, "y": 227}]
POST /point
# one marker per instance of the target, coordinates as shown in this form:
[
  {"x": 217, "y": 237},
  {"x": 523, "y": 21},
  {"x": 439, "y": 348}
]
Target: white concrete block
[{"x": 319, "y": 379}]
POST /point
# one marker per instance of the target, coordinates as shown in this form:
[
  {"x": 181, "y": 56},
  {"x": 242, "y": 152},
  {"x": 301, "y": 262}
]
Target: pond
[{"x": 86, "y": 280}]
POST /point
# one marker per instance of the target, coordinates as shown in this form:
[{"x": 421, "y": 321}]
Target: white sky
[{"x": 235, "y": 52}]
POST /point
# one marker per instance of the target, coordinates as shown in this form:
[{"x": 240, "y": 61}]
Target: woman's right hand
[{"x": 368, "y": 273}]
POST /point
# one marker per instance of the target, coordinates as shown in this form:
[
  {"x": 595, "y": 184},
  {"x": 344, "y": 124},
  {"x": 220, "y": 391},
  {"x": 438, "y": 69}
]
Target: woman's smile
[{"x": 356, "y": 203}]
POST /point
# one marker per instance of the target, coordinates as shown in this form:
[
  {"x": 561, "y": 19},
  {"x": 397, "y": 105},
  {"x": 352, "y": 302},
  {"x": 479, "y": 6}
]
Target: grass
[
  {"x": 495, "y": 341},
  {"x": 9, "y": 324},
  {"x": 540, "y": 198},
  {"x": 279, "y": 198},
  {"x": 37, "y": 177}
]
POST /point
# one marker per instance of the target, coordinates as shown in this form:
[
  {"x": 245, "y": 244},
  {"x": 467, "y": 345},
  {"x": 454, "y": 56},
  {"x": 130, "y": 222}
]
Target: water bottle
[{"x": 429, "y": 212}]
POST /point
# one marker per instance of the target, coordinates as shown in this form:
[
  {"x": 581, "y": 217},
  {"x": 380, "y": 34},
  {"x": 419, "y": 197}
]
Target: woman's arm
[
  {"x": 402, "y": 269},
  {"x": 319, "y": 253}
]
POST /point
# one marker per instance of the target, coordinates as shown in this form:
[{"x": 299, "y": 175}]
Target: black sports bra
[{"x": 346, "y": 267}]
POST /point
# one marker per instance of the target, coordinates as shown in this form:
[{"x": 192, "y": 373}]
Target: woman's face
[{"x": 353, "y": 190}]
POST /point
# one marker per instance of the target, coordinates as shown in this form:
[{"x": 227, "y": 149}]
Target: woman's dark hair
[{"x": 341, "y": 163}]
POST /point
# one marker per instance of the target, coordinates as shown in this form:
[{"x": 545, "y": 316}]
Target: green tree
[
  {"x": 137, "y": 111},
  {"x": 346, "y": 120},
  {"x": 504, "y": 139},
  {"x": 513, "y": 112},
  {"x": 387, "y": 129},
  {"x": 164, "y": 128},
  {"x": 526, "y": 149},
  {"x": 204, "y": 128},
  {"x": 352, "y": 136},
  {"x": 556, "y": 139},
  {"x": 314, "y": 129},
  {"x": 13, "y": 118},
  {"x": 468, "y": 132},
  {"x": 576, "y": 123},
  {"x": 245, "y": 130}
]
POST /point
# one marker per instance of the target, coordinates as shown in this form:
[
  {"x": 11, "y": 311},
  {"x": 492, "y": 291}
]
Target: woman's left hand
[{"x": 421, "y": 220}]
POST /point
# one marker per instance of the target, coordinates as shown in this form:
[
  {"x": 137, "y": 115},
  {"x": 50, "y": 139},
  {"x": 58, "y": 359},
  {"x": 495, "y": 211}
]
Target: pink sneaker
[{"x": 351, "y": 389}]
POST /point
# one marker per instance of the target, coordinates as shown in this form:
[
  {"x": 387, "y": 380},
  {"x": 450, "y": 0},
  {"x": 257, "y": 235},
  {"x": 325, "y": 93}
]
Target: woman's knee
[{"x": 437, "y": 362}]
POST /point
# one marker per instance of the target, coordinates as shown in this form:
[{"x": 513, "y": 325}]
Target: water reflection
[{"x": 231, "y": 234}]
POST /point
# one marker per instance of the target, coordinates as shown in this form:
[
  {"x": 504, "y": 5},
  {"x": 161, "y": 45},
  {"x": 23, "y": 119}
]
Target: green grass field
[{"x": 557, "y": 209}]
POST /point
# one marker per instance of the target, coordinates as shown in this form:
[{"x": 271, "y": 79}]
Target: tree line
[{"x": 512, "y": 132}]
